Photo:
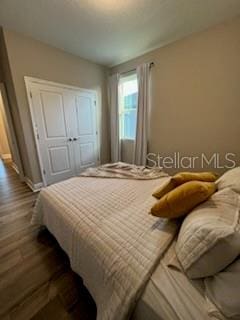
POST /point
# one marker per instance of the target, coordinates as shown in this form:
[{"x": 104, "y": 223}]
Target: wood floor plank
[
  {"x": 36, "y": 281},
  {"x": 11, "y": 228},
  {"x": 26, "y": 204},
  {"x": 18, "y": 240},
  {"x": 10, "y": 260},
  {"x": 13, "y": 289},
  {"x": 32, "y": 304},
  {"x": 67, "y": 287},
  {"x": 54, "y": 311},
  {"x": 14, "y": 239}
]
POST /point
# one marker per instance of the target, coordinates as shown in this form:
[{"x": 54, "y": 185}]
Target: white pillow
[
  {"x": 209, "y": 238},
  {"x": 223, "y": 290},
  {"x": 230, "y": 179}
]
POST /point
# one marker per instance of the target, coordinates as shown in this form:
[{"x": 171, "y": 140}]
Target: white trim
[
  {"x": 14, "y": 166},
  {"x": 35, "y": 187},
  {"x": 6, "y": 156},
  {"x": 30, "y": 80}
]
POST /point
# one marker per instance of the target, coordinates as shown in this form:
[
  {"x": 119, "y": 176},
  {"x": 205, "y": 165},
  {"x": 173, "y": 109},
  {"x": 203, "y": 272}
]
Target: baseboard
[
  {"x": 35, "y": 187},
  {"x": 6, "y": 156},
  {"x": 14, "y": 166}
]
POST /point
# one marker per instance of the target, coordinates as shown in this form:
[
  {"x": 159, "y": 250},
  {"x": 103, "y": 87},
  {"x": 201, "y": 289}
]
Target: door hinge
[
  {"x": 31, "y": 94},
  {"x": 95, "y": 102},
  {"x": 44, "y": 172},
  {"x": 37, "y": 136},
  {"x": 96, "y": 132}
]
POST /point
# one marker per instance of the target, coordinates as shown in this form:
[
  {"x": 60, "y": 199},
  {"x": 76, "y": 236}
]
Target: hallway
[{"x": 36, "y": 281}]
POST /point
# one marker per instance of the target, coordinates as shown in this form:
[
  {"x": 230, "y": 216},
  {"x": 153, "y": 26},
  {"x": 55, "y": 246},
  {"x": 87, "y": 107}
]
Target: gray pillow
[
  {"x": 223, "y": 290},
  {"x": 230, "y": 179},
  {"x": 209, "y": 238}
]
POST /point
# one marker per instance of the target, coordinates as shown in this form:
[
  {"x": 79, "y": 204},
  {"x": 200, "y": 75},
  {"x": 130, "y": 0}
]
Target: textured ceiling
[{"x": 112, "y": 31}]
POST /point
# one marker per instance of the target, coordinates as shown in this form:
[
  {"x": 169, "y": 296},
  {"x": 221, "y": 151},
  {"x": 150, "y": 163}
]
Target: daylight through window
[{"x": 128, "y": 95}]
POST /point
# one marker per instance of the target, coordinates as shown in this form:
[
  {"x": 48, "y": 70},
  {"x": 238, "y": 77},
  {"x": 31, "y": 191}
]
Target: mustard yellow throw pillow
[
  {"x": 183, "y": 199},
  {"x": 168, "y": 186},
  {"x": 183, "y": 177}
]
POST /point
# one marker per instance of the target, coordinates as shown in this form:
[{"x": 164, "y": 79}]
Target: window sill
[{"x": 127, "y": 139}]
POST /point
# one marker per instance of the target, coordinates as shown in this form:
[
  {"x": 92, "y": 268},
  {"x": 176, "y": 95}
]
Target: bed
[{"x": 119, "y": 250}]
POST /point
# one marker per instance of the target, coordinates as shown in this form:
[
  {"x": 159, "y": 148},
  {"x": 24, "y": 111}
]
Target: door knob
[
  {"x": 74, "y": 139},
  {"x": 70, "y": 139}
]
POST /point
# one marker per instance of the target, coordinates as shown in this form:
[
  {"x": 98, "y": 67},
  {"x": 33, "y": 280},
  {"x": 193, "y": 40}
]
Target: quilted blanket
[
  {"x": 112, "y": 242},
  {"x": 122, "y": 170}
]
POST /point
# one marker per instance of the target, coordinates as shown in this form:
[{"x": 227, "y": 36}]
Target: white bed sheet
[{"x": 170, "y": 295}]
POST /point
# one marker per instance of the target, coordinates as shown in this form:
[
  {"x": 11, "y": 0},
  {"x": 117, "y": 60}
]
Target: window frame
[{"x": 121, "y": 110}]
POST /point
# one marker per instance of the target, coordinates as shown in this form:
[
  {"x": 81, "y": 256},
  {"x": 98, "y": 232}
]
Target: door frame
[
  {"x": 31, "y": 80},
  {"x": 18, "y": 167}
]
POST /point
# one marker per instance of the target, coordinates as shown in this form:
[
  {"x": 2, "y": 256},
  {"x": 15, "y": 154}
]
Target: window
[{"x": 128, "y": 95}]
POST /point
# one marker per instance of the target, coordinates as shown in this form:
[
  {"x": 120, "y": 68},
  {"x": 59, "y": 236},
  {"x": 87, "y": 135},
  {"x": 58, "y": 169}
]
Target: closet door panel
[
  {"x": 86, "y": 154},
  {"x": 59, "y": 158},
  {"x": 85, "y": 137},
  {"x": 85, "y": 116},
  {"x": 52, "y": 116}
]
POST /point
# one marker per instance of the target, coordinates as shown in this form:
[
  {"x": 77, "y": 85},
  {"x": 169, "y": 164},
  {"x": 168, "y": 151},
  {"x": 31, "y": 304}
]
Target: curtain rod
[{"x": 151, "y": 64}]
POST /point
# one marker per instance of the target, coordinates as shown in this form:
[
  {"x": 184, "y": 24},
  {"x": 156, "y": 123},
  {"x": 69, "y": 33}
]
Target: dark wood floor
[{"x": 36, "y": 281}]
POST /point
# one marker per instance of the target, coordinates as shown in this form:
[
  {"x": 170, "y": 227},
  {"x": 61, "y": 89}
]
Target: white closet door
[
  {"x": 52, "y": 116},
  {"x": 85, "y": 130}
]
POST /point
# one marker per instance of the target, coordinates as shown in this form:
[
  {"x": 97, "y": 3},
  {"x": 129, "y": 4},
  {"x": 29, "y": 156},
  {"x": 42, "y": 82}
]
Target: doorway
[
  {"x": 8, "y": 144},
  {"x": 5, "y": 151}
]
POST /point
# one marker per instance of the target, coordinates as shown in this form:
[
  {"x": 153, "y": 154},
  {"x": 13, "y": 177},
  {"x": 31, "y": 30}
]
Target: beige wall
[
  {"x": 4, "y": 146},
  {"x": 196, "y": 93},
  {"x": 28, "y": 57},
  {"x": 11, "y": 106},
  {"x": 127, "y": 150}
]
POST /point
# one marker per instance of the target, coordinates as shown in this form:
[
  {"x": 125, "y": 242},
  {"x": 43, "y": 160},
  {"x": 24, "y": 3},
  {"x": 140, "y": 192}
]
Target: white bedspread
[{"x": 111, "y": 240}]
